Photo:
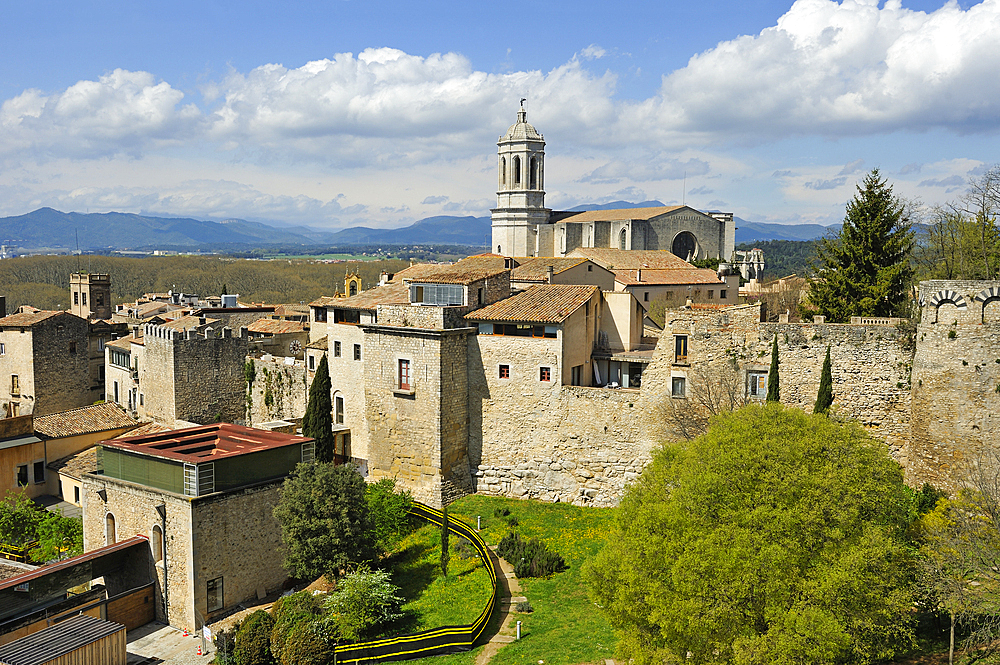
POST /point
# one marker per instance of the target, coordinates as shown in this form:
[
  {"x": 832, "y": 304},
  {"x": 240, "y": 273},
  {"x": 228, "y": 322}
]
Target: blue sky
[{"x": 381, "y": 113}]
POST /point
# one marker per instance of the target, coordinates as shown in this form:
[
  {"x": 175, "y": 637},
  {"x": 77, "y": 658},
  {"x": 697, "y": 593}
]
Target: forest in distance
[{"x": 43, "y": 281}]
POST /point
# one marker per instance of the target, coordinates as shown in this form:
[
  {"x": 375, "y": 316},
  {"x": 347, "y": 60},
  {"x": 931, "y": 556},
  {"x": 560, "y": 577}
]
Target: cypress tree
[
  {"x": 317, "y": 422},
  {"x": 773, "y": 389},
  {"x": 825, "y": 396},
  {"x": 445, "y": 554}
]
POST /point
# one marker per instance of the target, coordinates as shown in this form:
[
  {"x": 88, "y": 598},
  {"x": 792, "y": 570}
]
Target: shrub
[
  {"x": 292, "y": 614},
  {"x": 224, "y": 641},
  {"x": 530, "y": 558},
  {"x": 463, "y": 549},
  {"x": 501, "y": 511},
  {"x": 388, "y": 513},
  {"x": 305, "y": 646},
  {"x": 524, "y": 607},
  {"x": 512, "y": 521},
  {"x": 364, "y": 601},
  {"x": 253, "y": 640}
]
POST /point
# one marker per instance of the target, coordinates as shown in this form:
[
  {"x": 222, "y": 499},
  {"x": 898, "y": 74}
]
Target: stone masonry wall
[
  {"x": 279, "y": 391},
  {"x": 236, "y": 537},
  {"x": 347, "y": 380},
  {"x": 956, "y": 379},
  {"x": 134, "y": 509}
]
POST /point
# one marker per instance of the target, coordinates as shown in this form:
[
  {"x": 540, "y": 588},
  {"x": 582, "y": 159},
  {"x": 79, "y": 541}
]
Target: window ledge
[
  {"x": 681, "y": 363},
  {"x": 404, "y": 393}
]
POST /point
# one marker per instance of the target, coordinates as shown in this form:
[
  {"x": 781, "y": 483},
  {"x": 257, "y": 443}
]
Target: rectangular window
[
  {"x": 680, "y": 348},
  {"x": 84, "y": 298},
  {"x": 576, "y": 375},
  {"x": 645, "y": 296},
  {"x": 405, "y": 375},
  {"x": 38, "y": 471},
  {"x": 120, "y": 358},
  {"x": 437, "y": 294},
  {"x": 319, "y": 314},
  {"x": 678, "y": 386},
  {"x": 504, "y": 371},
  {"x": 76, "y": 494},
  {"x": 72, "y": 347},
  {"x": 480, "y": 296},
  {"x": 711, "y": 294},
  {"x": 3, "y": 348},
  {"x": 116, "y": 393},
  {"x": 312, "y": 363},
  {"x": 22, "y": 475},
  {"x": 15, "y": 385},
  {"x": 722, "y": 294},
  {"x": 357, "y": 352},
  {"x": 142, "y": 399},
  {"x": 757, "y": 384},
  {"x": 347, "y": 316},
  {"x": 336, "y": 349},
  {"x": 100, "y": 344},
  {"x": 590, "y": 268},
  {"x": 76, "y": 298},
  {"x": 214, "y": 589},
  {"x": 338, "y": 409},
  {"x": 100, "y": 373},
  {"x": 544, "y": 373}
]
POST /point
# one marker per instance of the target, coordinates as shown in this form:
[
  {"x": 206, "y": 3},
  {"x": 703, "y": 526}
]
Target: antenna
[
  {"x": 684, "y": 189},
  {"x": 77, "y": 232}
]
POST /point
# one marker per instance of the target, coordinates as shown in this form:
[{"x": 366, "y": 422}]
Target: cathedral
[{"x": 523, "y": 226}]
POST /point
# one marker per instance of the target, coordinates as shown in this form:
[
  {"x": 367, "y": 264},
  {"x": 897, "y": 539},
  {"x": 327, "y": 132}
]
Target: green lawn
[
  {"x": 566, "y": 627},
  {"x": 433, "y": 600}
]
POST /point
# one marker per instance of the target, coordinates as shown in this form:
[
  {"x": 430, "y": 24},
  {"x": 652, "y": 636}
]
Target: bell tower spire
[{"x": 520, "y": 194}]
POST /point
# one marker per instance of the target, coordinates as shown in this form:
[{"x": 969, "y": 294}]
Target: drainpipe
[{"x": 162, "y": 510}]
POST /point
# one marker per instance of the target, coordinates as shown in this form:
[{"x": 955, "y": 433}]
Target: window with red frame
[
  {"x": 405, "y": 375},
  {"x": 544, "y": 373}
]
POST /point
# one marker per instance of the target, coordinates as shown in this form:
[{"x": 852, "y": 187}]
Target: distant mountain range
[{"x": 52, "y": 229}]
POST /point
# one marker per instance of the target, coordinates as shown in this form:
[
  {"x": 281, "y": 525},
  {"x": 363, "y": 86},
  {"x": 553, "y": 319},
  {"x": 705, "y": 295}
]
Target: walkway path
[{"x": 509, "y": 586}]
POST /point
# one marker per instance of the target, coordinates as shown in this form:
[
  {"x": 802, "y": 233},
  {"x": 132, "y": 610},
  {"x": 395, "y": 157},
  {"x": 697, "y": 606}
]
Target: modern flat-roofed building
[{"x": 204, "y": 496}]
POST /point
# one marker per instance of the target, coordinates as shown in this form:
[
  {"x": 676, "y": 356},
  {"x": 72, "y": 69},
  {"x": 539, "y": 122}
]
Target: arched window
[
  {"x": 623, "y": 239},
  {"x": 517, "y": 171},
  {"x": 354, "y": 289},
  {"x": 533, "y": 174},
  {"x": 503, "y": 171},
  {"x": 499, "y": 250},
  {"x": 156, "y": 543},
  {"x": 110, "y": 537},
  {"x": 685, "y": 246}
]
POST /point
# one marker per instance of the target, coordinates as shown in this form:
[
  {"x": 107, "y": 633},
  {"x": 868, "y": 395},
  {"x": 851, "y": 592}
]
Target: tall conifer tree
[
  {"x": 318, "y": 420},
  {"x": 824, "y": 398},
  {"x": 773, "y": 388},
  {"x": 865, "y": 269}
]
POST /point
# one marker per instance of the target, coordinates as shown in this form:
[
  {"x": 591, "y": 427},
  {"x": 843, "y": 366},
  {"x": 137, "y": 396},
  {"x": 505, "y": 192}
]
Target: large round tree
[
  {"x": 865, "y": 269},
  {"x": 776, "y": 537}
]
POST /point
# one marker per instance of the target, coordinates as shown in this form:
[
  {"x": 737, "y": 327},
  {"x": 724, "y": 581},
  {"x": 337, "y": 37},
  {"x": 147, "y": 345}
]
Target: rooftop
[
  {"x": 58, "y": 641},
  {"x": 85, "y": 420},
  {"x": 188, "y": 322},
  {"x": 541, "y": 303},
  {"x": 393, "y": 293},
  {"x": 536, "y": 269},
  {"x": 77, "y": 464},
  {"x": 615, "y": 259},
  {"x": 275, "y": 327},
  {"x": 124, "y": 343},
  {"x": 27, "y": 319},
  {"x": 654, "y": 277},
  {"x": 320, "y": 344},
  {"x": 466, "y": 271},
  {"x": 620, "y": 214},
  {"x": 204, "y": 443}
]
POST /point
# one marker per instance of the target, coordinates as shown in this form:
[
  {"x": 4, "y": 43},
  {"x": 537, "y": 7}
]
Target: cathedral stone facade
[{"x": 523, "y": 226}]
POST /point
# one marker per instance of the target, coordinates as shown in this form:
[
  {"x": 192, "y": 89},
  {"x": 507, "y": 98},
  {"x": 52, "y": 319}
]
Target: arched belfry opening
[
  {"x": 503, "y": 171},
  {"x": 533, "y": 177},
  {"x": 517, "y": 171}
]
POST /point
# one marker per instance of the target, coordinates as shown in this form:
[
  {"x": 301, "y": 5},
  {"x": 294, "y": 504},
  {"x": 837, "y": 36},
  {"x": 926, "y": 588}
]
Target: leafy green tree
[
  {"x": 305, "y": 646},
  {"x": 777, "y": 537},
  {"x": 773, "y": 382},
  {"x": 324, "y": 520},
  {"x": 865, "y": 269},
  {"x": 317, "y": 422},
  {"x": 388, "y": 512},
  {"x": 445, "y": 553},
  {"x": 364, "y": 601},
  {"x": 292, "y": 614},
  {"x": 19, "y": 519},
  {"x": 253, "y": 640},
  {"x": 824, "y": 397}
]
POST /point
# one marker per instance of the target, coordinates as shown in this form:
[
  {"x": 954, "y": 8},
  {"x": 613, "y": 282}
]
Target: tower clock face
[{"x": 294, "y": 346}]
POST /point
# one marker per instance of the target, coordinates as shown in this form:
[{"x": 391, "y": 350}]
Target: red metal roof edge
[
  {"x": 42, "y": 571},
  {"x": 142, "y": 444}
]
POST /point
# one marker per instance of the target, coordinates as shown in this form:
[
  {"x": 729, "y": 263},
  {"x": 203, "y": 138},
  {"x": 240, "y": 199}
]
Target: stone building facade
[{"x": 44, "y": 363}]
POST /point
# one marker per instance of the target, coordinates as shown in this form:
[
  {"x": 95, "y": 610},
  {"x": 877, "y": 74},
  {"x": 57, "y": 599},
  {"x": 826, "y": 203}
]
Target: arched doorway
[{"x": 685, "y": 245}]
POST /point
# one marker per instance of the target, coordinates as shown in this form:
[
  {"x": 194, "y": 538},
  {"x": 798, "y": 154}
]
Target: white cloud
[
  {"x": 593, "y": 52},
  {"x": 645, "y": 169},
  {"x": 846, "y": 68},
  {"x": 853, "y": 167},
  {"x": 434, "y": 200}
]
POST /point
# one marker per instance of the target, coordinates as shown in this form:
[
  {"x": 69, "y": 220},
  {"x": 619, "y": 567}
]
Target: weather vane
[{"x": 523, "y": 100}]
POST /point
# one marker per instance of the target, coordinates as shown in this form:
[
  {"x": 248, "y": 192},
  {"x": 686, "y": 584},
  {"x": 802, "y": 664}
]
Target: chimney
[
  {"x": 202, "y": 320},
  {"x": 548, "y": 274},
  {"x": 638, "y": 274}
]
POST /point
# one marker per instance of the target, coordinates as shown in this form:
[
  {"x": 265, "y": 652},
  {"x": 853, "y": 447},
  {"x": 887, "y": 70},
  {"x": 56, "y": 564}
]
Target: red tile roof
[
  {"x": 85, "y": 420},
  {"x": 666, "y": 277},
  {"x": 615, "y": 259},
  {"x": 393, "y": 293},
  {"x": 27, "y": 319},
  {"x": 275, "y": 327},
  {"x": 204, "y": 443},
  {"x": 536, "y": 270},
  {"x": 620, "y": 214},
  {"x": 466, "y": 271},
  {"x": 541, "y": 303}
]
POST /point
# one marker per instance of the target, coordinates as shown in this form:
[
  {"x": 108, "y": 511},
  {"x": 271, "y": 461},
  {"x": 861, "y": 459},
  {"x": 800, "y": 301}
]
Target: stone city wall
[
  {"x": 279, "y": 391},
  {"x": 61, "y": 365}
]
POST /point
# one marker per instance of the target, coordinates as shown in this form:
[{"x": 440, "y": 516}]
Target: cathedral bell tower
[{"x": 520, "y": 194}]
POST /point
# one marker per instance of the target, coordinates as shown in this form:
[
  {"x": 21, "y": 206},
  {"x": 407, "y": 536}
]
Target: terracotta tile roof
[
  {"x": 667, "y": 277},
  {"x": 123, "y": 343},
  {"x": 27, "y": 319},
  {"x": 536, "y": 270},
  {"x": 85, "y": 420},
  {"x": 291, "y": 310},
  {"x": 614, "y": 259},
  {"x": 393, "y": 293},
  {"x": 541, "y": 303},
  {"x": 320, "y": 344},
  {"x": 150, "y": 308},
  {"x": 466, "y": 271},
  {"x": 275, "y": 327},
  {"x": 187, "y": 322},
  {"x": 78, "y": 464},
  {"x": 620, "y": 214}
]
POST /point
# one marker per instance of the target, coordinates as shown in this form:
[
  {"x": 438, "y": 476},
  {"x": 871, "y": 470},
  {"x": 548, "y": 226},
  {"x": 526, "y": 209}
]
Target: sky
[{"x": 380, "y": 112}]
